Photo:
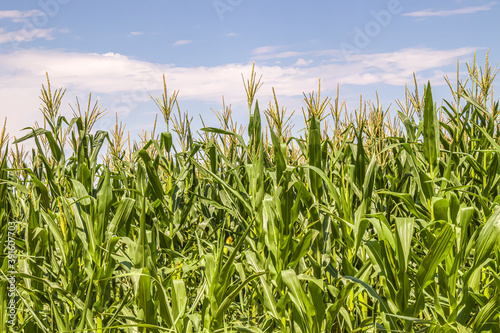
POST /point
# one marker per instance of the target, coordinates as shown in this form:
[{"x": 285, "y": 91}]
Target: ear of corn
[{"x": 374, "y": 225}]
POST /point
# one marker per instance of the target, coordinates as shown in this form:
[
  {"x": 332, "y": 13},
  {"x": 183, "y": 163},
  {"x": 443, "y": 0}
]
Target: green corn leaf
[
  {"x": 374, "y": 294},
  {"x": 430, "y": 130},
  {"x": 405, "y": 229},
  {"x": 154, "y": 180},
  {"x": 179, "y": 299},
  {"x": 488, "y": 238},
  {"x": 297, "y": 295},
  {"x": 229, "y": 298},
  {"x": 488, "y": 313},
  {"x": 314, "y": 150},
  {"x": 437, "y": 253}
]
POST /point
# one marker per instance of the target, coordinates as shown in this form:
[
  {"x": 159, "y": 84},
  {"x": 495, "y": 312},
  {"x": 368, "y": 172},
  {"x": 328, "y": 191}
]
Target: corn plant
[{"x": 377, "y": 224}]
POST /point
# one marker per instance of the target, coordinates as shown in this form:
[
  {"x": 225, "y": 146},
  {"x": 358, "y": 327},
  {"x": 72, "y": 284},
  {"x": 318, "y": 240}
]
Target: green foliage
[{"x": 383, "y": 226}]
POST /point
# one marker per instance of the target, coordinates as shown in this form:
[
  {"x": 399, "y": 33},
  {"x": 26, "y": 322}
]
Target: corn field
[{"x": 366, "y": 222}]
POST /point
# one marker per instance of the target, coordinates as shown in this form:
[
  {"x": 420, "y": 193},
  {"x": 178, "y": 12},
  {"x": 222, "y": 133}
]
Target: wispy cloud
[
  {"x": 272, "y": 52},
  {"x": 182, "y": 42},
  {"x": 18, "y": 15},
  {"x": 232, "y": 34},
  {"x": 445, "y": 13},
  {"x": 282, "y": 55},
  {"x": 25, "y": 35},
  {"x": 136, "y": 33},
  {"x": 28, "y": 33},
  {"x": 266, "y": 49}
]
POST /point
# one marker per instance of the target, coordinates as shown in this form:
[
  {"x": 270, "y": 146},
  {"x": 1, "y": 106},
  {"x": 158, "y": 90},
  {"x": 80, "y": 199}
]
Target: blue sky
[{"x": 118, "y": 50}]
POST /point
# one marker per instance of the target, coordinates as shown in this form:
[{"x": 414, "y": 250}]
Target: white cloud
[
  {"x": 266, "y": 49},
  {"x": 302, "y": 62},
  {"x": 29, "y": 32},
  {"x": 126, "y": 83},
  {"x": 19, "y": 15},
  {"x": 272, "y": 52},
  {"x": 182, "y": 42},
  {"x": 136, "y": 33},
  {"x": 282, "y": 55},
  {"x": 444, "y": 13},
  {"x": 232, "y": 34},
  {"x": 25, "y": 35}
]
